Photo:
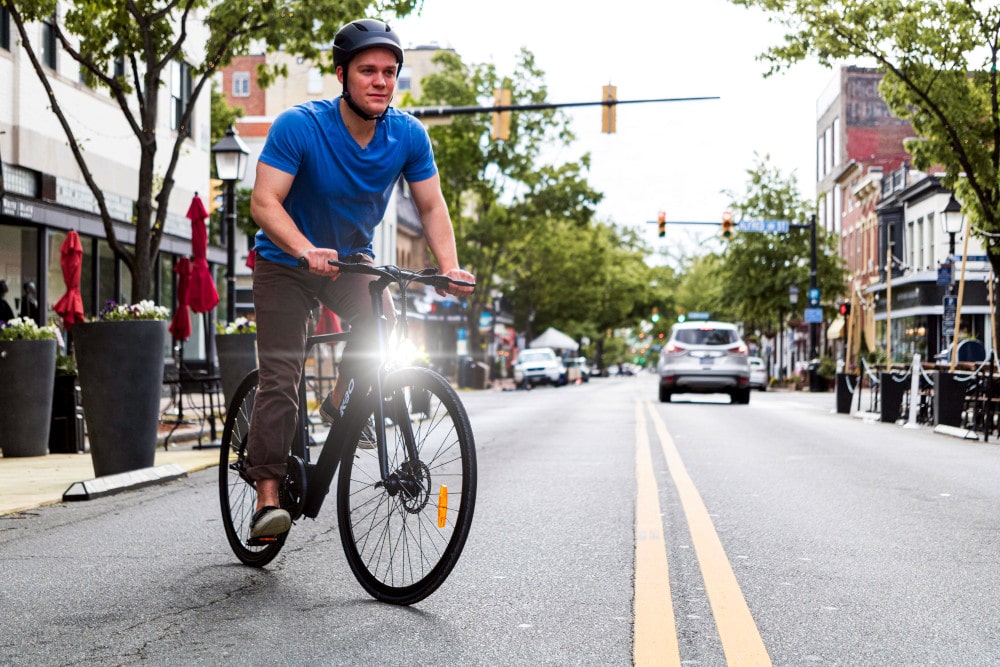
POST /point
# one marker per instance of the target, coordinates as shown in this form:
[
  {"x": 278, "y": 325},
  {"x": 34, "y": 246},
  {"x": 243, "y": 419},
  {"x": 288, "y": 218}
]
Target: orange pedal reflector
[{"x": 442, "y": 505}]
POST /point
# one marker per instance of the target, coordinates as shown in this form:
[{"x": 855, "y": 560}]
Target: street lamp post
[
  {"x": 793, "y": 299},
  {"x": 230, "y": 155},
  {"x": 951, "y": 223}
]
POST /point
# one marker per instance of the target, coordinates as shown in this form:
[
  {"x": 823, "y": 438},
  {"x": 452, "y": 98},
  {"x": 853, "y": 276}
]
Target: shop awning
[{"x": 835, "y": 329}]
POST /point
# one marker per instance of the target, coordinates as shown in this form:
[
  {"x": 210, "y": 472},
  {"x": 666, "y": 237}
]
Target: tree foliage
[
  {"x": 939, "y": 59},
  {"x": 148, "y": 36},
  {"x": 525, "y": 228}
]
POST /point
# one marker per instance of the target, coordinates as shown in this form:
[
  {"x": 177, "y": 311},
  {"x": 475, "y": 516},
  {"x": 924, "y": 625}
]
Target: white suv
[
  {"x": 705, "y": 357},
  {"x": 539, "y": 366}
]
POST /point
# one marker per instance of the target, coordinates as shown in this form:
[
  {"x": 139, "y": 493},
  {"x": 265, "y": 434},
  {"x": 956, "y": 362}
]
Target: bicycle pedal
[{"x": 263, "y": 540}]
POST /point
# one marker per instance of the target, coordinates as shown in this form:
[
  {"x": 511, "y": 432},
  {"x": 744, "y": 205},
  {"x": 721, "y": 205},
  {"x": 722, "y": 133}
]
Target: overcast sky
[{"x": 679, "y": 156}]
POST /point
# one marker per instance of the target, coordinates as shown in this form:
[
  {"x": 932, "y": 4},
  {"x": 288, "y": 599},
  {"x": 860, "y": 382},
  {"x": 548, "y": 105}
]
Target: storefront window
[
  {"x": 105, "y": 275},
  {"x": 18, "y": 262}
]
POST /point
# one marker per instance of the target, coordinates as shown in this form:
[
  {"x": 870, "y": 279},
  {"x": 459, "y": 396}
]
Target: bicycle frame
[{"x": 319, "y": 476}]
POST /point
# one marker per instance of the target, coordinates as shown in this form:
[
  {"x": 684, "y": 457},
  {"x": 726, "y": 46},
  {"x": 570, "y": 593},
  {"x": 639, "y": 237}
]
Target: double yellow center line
[{"x": 655, "y": 633}]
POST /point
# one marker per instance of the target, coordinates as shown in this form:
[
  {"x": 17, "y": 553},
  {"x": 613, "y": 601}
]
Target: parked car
[
  {"x": 705, "y": 357},
  {"x": 539, "y": 365},
  {"x": 758, "y": 374},
  {"x": 577, "y": 368}
]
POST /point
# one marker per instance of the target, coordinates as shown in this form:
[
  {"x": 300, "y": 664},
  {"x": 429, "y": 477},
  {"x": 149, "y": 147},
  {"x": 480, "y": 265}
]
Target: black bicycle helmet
[{"x": 364, "y": 34}]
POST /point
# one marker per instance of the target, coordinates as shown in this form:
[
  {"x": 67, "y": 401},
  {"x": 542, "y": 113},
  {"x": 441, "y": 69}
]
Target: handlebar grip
[{"x": 303, "y": 263}]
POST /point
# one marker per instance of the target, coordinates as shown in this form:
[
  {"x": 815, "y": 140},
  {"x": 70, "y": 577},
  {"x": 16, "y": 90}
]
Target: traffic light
[
  {"x": 845, "y": 308},
  {"x": 215, "y": 198},
  {"x": 727, "y": 225},
  {"x": 501, "y": 119},
  {"x": 655, "y": 317},
  {"x": 609, "y": 111},
  {"x": 681, "y": 316},
  {"x": 661, "y": 222}
]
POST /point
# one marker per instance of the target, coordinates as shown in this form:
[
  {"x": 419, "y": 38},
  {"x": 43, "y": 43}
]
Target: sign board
[
  {"x": 944, "y": 274},
  {"x": 814, "y": 315},
  {"x": 698, "y": 315},
  {"x": 813, "y": 295},
  {"x": 772, "y": 226},
  {"x": 948, "y": 321}
]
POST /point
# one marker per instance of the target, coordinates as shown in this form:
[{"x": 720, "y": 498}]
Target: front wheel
[
  {"x": 402, "y": 536},
  {"x": 237, "y": 493}
]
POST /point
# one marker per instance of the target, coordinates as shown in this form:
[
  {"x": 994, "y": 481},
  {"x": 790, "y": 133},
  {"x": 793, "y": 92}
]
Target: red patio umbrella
[
  {"x": 202, "y": 295},
  {"x": 180, "y": 325},
  {"x": 328, "y": 322},
  {"x": 70, "y": 306}
]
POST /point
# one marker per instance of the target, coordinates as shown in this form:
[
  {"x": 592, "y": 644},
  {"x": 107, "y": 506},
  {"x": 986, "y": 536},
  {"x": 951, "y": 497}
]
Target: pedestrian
[
  {"x": 29, "y": 301},
  {"x": 6, "y": 312},
  {"x": 323, "y": 182}
]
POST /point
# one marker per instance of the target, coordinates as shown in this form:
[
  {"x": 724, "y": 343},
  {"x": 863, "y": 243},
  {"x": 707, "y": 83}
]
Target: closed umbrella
[
  {"x": 70, "y": 306},
  {"x": 202, "y": 295},
  {"x": 180, "y": 325}
]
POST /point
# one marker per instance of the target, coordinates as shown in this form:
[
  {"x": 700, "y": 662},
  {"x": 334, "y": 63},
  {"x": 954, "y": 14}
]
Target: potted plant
[
  {"x": 27, "y": 366},
  {"x": 236, "y": 344},
  {"x": 119, "y": 358}
]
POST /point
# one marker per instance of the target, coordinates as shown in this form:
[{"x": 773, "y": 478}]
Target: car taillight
[
  {"x": 674, "y": 348},
  {"x": 740, "y": 349}
]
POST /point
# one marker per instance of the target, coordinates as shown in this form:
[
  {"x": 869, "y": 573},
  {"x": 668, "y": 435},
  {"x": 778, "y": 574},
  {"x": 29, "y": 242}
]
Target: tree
[
  {"x": 147, "y": 36},
  {"x": 758, "y": 268},
  {"x": 939, "y": 60}
]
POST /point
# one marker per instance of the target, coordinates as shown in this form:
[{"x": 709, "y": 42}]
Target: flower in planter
[
  {"x": 123, "y": 312},
  {"x": 240, "y": 325},
  {"x": 24, "y": 328}
]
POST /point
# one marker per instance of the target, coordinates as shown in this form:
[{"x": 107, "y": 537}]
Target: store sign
[{"x": 18, "y": 209}]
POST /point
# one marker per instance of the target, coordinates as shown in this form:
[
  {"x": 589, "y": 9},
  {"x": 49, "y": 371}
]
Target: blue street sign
[
  {"x": 771, "y": 226},
  {"x": 813, "y": 315},
  {"x": 944, "y": 274},
  {"x": 813, "y": 296}
]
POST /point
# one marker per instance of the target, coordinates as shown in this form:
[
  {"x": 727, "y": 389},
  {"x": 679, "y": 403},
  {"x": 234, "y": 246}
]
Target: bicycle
[{"x": 404, "y": 507}]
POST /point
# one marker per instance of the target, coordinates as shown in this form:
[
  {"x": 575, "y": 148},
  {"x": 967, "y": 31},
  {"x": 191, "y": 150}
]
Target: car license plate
[{"x": 707, "y": 361}]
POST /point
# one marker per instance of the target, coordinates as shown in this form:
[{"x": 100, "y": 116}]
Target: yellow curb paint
[
  {"x": 655, "y": 632},
  {"x": 738, "y": 633}
]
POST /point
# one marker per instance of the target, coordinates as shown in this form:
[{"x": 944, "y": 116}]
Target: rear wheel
[
  {"x": 403, "y": 536},
  {"x": 237, "y": 493},
  {"x": 664, "y": 395}
]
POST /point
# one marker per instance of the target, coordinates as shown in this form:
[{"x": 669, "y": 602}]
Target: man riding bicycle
[{"x": 323, "y": 183}]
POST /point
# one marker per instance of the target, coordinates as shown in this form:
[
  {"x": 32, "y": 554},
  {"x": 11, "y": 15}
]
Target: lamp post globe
[{"x": 231, "y": 157}]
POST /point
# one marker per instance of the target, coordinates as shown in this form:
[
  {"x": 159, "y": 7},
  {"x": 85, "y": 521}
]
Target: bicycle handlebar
[{"x": 396, "y": 274}]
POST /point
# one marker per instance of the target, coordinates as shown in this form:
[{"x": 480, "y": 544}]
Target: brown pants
[{"x": 283, "y": 296}]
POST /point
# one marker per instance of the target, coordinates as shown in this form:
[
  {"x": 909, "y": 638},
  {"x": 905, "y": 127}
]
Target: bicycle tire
[
  {"x": 394, "y": 543},
  {"x": 237, "y": 495}
]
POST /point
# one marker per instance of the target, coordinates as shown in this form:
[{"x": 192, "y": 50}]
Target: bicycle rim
[
  {"x": 403, "y": 540},
  {"x": 238, "y": 497}
]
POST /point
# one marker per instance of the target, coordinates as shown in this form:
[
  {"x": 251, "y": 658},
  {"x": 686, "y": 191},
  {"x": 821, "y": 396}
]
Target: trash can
[
  {"x": 845, "y": 393},
  {"x": 949, "y": 399},
  {"x": 480, "y": 375},
  {"x": 890, "y": 396},
  {"x": 465, "y": 373},
  {"x": 817, "y": 382}
]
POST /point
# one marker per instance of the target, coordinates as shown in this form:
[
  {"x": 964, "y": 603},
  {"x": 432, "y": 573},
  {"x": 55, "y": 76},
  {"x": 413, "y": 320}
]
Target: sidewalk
[{"x": 32, "y": 481}]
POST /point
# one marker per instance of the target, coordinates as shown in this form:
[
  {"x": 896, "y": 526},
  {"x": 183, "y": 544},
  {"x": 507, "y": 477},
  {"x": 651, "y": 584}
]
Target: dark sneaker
[
  {"x": 331, "y": 415},
  {"x": 328, "y": 412},
  {"x": 270, "y": 522}
]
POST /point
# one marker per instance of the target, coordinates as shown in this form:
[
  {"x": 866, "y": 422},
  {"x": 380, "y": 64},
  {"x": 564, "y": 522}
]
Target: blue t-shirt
[{"x": 341, "y": 190}]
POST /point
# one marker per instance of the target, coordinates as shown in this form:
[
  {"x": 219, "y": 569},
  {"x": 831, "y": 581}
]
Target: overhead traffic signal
[
  {"x": 727, "y": 225},
  {"x": 501, "y": 119},
  {"x": 845, "y": 308},
  {"x": 661, "y": 223},
  {"x": 215, "y": 198},
  {"x": 608, "y": 111}
]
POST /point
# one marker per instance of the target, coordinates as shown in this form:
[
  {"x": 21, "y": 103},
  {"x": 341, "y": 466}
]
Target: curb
[{"x": 111, "y": 484}]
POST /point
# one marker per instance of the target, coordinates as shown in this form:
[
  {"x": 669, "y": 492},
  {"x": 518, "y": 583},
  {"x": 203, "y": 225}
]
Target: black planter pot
[
  {"x": 237, "y": 355},
  {"x": 28, "y": 369},
  {"x": 66, "y": 436},
  {"x": 120, "y": 367}
]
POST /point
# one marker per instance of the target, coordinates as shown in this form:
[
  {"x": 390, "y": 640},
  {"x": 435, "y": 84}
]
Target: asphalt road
[{"x": 607, "y": 525}]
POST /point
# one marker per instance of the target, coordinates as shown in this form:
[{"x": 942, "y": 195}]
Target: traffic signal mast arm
[{"x": 441, "y": 112}]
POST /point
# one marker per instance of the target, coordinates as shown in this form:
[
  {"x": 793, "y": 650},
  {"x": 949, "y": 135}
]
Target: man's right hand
[{"x": 317, "y": 260}]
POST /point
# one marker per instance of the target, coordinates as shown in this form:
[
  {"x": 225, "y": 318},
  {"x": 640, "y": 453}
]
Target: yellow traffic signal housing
[
  {"x": 727, "y": 225},
  {"x": 215, "y": 198},
  {"x": 501, "y": 119},
  {"x": 609, "y": 111},
  {"x": 661, "y": 223}
]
